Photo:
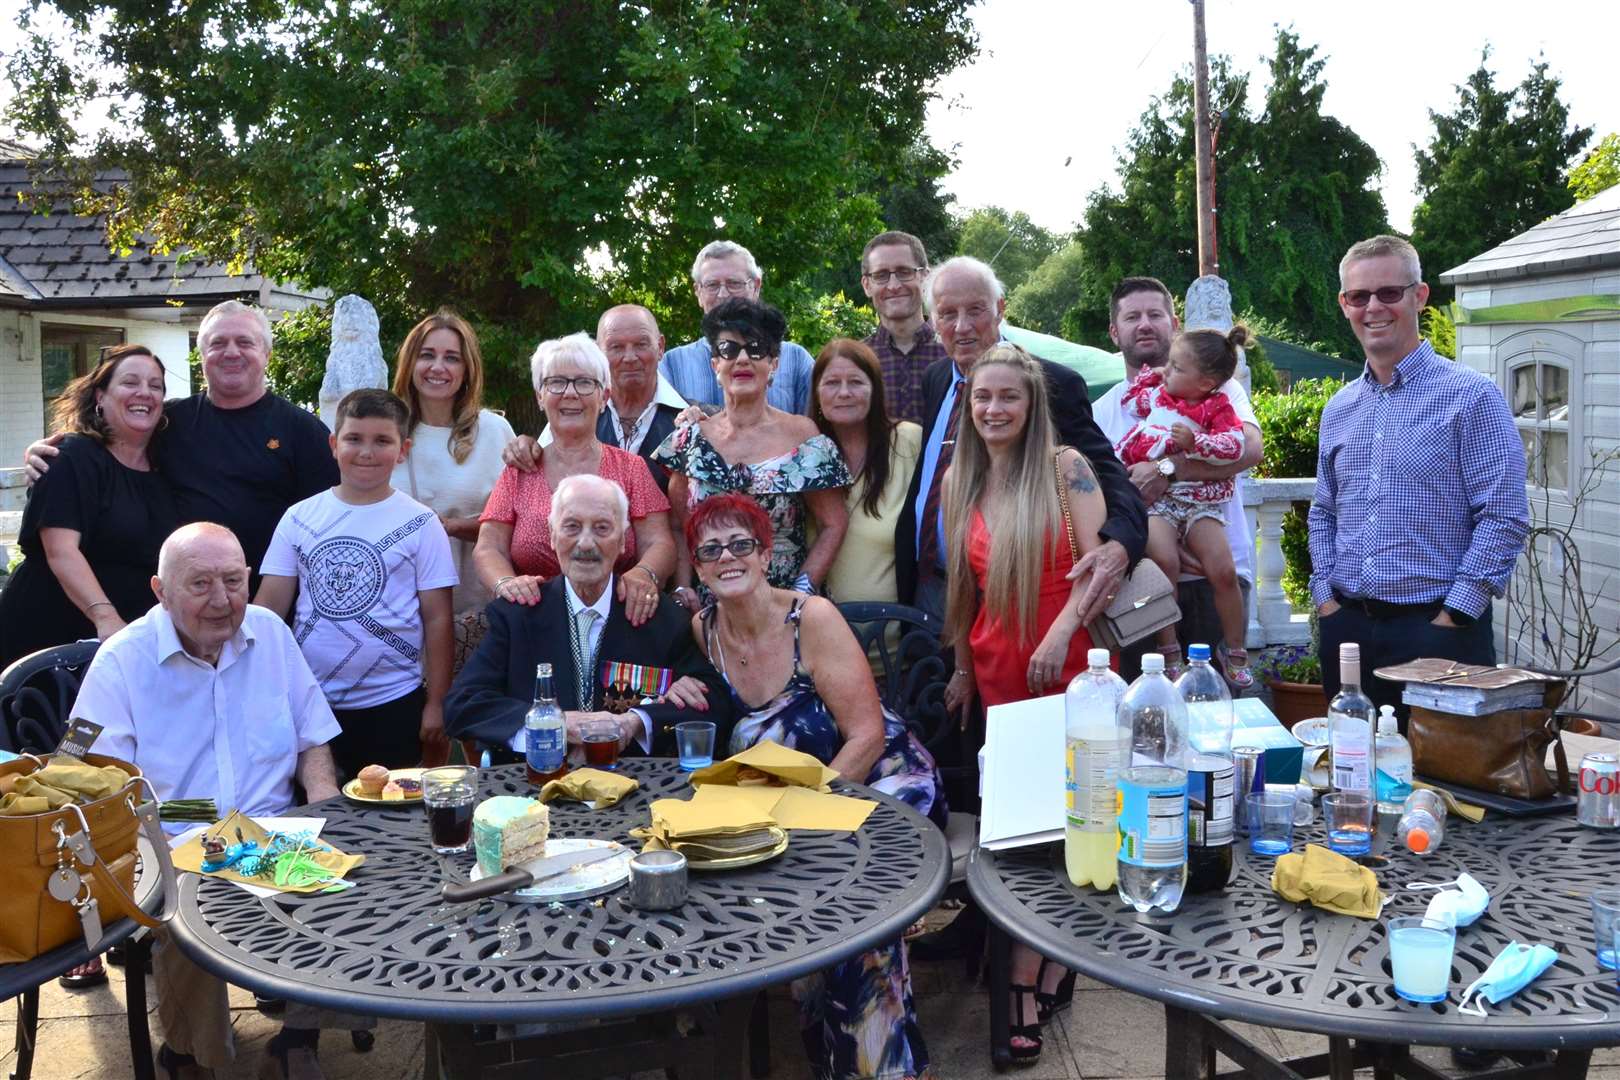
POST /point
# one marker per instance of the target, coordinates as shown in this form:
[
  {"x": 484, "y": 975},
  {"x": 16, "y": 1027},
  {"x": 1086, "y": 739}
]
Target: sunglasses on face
[
  {"x": 1389, "y": 294},
  {"x": 730, "y": 350},
  {"x": 904, "y": 275},
  {"x": 583, "y": 385},
  {"x": 742, "y": 547}
]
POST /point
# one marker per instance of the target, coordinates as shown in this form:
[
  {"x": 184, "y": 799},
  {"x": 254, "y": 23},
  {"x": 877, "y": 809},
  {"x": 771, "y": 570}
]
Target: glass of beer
[
  {"x": 449, "y": 793},
  {"x": 600, "y": 739}
]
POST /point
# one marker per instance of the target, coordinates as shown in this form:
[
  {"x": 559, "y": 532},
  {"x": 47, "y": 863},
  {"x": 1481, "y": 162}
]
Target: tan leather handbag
[
  {"x": 1146, "y": 600},
  {"x": 1503, "y": 752},
  {"x": 90, "y": 847}
]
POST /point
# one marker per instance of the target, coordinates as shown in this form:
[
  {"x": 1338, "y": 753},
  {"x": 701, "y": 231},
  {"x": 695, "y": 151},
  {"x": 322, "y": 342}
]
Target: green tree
[
  {"x": 526, "y": 161},
  {"x": 1495, "y": 166},
  {"x": 1049, "y": 291},
  {"x": 1010, "y": 242},
  {"x": 1599, "y": 171}
]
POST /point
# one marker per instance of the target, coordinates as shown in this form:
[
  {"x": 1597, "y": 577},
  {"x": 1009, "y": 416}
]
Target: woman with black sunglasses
[{"x": 777, "y": 458}]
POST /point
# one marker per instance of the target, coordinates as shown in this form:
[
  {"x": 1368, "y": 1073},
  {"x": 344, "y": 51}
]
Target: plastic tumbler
[
  {"x": 1271, "y": 822},
  {"x": 1420, "y": 957},
  {"x": 449, "y": 793},
  {"x": 694, "y": 743},
  {"x": 1605, "y": 924},
  {"x": 1348, "y": 818}
]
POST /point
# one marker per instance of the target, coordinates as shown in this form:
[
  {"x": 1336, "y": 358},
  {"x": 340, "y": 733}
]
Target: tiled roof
[
  {"x": 1586, "y": 235},
  {"x": 62, "y": 258}
]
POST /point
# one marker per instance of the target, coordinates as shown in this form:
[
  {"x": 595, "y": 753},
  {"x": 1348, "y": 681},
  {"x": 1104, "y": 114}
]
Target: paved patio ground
[{"x": 1107, "y": 1034}]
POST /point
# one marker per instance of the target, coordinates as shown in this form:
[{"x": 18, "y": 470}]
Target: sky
[{"x": 1066, "y": 80}]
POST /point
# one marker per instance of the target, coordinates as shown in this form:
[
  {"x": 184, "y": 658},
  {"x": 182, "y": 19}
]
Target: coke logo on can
[
  {"x": 1598, "y": 802},
  {"x": 1594, "y": 781}
]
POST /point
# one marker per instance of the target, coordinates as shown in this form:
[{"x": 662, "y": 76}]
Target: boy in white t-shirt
[{"x": 371, "y": 570}]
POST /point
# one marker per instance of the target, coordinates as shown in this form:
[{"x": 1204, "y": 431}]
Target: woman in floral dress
[
  {"x": 777, "y": 458},
  {"x": 797, "y": 676}
]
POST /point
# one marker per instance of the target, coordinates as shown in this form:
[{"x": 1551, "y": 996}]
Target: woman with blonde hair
[{"x": 1025, "y": 509}]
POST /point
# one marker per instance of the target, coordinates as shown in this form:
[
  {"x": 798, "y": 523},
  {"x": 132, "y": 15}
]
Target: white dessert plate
[{"x": 593, "y": 879}]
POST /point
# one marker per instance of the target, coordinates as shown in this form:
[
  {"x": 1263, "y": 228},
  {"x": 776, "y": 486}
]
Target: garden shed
[{"x": 1540, "y": 314}]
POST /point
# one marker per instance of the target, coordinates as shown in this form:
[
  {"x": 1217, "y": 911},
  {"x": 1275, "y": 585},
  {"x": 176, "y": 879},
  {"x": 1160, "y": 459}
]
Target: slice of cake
[{"x": 508, "y": 830}]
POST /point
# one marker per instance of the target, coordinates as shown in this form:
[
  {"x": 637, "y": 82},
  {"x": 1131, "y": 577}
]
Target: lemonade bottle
[{"x": 1095, "y": 746}]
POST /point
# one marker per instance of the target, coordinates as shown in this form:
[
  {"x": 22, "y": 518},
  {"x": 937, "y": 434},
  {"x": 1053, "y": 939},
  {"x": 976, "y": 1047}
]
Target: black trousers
[
  {"x": 388, "y": 735},
  {"x": 1395, "y": 639}
]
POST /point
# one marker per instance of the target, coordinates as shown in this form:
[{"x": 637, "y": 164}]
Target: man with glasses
[
  {"x": 642, "y": 679},
  {"x": 1420, "y": 510},
  {"x": 893, "y": 268},
  {"x": 721, "y": 270}
]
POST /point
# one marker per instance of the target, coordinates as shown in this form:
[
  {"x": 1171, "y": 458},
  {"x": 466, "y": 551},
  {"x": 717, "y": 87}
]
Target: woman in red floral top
[{"x": 515, "y": 555}]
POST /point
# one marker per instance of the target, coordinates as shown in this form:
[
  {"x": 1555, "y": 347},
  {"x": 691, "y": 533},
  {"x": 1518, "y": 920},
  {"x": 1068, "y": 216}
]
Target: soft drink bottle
[
  {"x": 1423, "y": 821},
  {"x": 1153, "y": 792},
  {"x": 1096, "y": 742},
  {"x": 1210, "y": 773},
  {"x": 545, "y": 743}
]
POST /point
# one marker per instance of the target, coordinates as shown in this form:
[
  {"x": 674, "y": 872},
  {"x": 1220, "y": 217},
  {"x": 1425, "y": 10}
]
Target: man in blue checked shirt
[{"x": 1420, "y": 510}]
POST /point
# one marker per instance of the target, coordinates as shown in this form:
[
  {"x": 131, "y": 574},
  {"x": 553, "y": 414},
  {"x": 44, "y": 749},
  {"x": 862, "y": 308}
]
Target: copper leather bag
[
  {"x": 96, "y": 840},
  {"x": 1502, "y": 752}
]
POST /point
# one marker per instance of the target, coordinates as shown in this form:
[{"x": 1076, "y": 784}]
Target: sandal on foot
[
  {"x": 84, "y": 976},
  {"x": 1050, "y": 1005},
  {"x": 1236, "y": 665},
  {"x": 1018, "y": 1029}
]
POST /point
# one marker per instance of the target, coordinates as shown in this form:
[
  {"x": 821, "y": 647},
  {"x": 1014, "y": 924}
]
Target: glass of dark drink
[
  {"x": 601, "y": 742},
  {"x": 449, "y": 794}
]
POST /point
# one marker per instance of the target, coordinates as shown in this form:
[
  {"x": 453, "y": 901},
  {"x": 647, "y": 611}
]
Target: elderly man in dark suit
[
  {"x": 644, "y": 679},
  {"x": 967, "y": 302}
]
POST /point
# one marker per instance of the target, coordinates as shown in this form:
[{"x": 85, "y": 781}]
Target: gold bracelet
[
  {"x": 98, "y": 603},
  {"x": 652, "y": 577}
]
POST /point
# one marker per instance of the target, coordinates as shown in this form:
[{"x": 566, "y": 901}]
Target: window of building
[
  {"x": 1539, "y": 397},
  {"x": 67, "y": 352}
]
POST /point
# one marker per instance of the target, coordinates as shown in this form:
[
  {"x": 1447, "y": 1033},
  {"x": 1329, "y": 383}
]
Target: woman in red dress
[{"x": 1010, "y": 610}]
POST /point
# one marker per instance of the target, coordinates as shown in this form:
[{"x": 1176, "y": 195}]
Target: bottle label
[
  {"x": 545, "y": 749},
  {"x": 1152, "y": 823},
  {"x": 1209, "y": 807},
  {"x": 1091, "y": 773},
  {"x": 1350, "y": 766},
  {"x": 1394, "y": 788}
]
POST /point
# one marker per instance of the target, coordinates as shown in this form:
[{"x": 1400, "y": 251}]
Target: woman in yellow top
[{"x": 846, "y": 402}]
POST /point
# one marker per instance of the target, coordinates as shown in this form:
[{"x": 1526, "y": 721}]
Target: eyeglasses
[
  {"x": 583, "y": 385},
  {"x": 902, "y": 274},
  {"x": 741, "y": 547},
  {"x": 729, "y": 286},
  {"x": 727, "y": 349},
  {"x": 1389, "y": 294}
]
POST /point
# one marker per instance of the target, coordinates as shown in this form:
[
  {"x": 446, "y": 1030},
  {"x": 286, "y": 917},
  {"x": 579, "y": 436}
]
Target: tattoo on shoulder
[{"x": 1081, "y": 476}]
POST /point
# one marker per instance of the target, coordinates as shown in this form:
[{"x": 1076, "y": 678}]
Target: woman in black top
[{"x": 91, "y": 532}]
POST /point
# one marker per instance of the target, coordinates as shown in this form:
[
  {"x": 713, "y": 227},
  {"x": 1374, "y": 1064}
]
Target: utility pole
[{"x": 1208, "y": 261}]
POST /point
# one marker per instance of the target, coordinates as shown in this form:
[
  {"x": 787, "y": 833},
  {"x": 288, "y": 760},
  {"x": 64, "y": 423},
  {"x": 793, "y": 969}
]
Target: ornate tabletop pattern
[
  {"x": 389, "y": 947},
  {"x": 1247, "y": 954}
]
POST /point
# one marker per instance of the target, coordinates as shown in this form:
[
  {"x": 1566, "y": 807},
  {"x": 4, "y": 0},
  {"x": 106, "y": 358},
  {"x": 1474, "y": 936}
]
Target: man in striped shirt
[{"x": 1420, "y": 510}]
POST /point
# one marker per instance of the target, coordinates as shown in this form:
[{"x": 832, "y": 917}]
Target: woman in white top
[{"x": 455, "y": 455}]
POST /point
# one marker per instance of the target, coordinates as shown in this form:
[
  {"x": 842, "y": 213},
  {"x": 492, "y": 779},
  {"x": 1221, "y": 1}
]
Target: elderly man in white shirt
[{"x": 212, "y": 699}]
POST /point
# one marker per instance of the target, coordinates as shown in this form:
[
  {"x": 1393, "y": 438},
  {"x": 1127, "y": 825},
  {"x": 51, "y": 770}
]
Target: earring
[{"x": 99, "y": 414}]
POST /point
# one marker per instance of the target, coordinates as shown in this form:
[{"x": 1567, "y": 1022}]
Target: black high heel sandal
[
  {"x": 1018, "y": 1029},
  {"x": 1049, "y": 1005},
  {"x": 172, "y": 1061}
]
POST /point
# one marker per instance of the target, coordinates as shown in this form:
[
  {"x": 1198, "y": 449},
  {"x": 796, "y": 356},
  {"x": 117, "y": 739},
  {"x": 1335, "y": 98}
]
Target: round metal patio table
[
  {"x": 1246, "y": 954},
  {"x": 389, "y": 947}
]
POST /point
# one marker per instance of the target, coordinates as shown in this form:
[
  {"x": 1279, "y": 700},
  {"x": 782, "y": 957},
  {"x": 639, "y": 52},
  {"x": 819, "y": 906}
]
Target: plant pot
[{"x": 1296, "y": 701}]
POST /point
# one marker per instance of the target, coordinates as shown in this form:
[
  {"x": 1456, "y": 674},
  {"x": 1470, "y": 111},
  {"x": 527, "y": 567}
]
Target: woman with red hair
[{"x": 798, "y": 677}]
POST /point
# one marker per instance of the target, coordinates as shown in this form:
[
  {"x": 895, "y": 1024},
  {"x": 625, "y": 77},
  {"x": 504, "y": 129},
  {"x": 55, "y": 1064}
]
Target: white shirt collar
[
  {"x": 604, "y": 603},
  {"x": 168, "y": 644}
]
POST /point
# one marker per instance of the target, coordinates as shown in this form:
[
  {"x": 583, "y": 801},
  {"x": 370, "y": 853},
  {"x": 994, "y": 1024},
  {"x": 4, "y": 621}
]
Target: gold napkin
[
  {"x": 1328, "y": 880},
  {"x": 590, "y": 786},
  {"x": 789, "y": 766},
  {"x": 61, "y": 782},
  {"x": 239, "y": 828}
]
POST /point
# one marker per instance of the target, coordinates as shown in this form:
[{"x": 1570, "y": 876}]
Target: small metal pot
[{"x": 658, "y": 880}]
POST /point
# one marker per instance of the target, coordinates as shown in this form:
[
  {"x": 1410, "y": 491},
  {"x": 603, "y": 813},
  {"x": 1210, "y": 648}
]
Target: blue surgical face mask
[
  {"x": 1460, "y": 905},
  {"x": 1511, "y": 971}
]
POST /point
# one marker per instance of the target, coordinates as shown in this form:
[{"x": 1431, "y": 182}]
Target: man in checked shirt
[{"x": 1420, "y": 509}]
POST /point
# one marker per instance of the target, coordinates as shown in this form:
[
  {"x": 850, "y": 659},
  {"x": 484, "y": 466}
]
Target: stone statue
[
  {"x": 356, "y": 359},
  {"x": 1209, "y": 307}
]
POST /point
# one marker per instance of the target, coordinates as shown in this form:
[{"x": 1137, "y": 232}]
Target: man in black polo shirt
[{"x": 236, "y": 454}]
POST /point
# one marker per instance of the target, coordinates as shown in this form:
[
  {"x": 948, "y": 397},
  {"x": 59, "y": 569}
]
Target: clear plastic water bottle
[
  {"x": 1095, "y": 746},
  {"x": 1153, "y": 792},
  {"x": 545, "y": 736},
  {"x": 1210, "y": 773},
  {"x": 1350, "y": 728},
  {"x": 1394, "y": 758},
  {"x": 1423, "y": 821}
]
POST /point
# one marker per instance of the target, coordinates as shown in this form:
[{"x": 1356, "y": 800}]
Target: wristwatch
[{"x": 1167, "y": 468}]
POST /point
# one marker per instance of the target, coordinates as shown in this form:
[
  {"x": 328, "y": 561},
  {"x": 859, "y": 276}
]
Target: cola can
[
  {"x": 1249, "y": 763},
  {"x": 1598, "y": 801}
]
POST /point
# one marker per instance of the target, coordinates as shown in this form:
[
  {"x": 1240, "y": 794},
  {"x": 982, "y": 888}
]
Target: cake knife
[{"x": 514, "y": 878}]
